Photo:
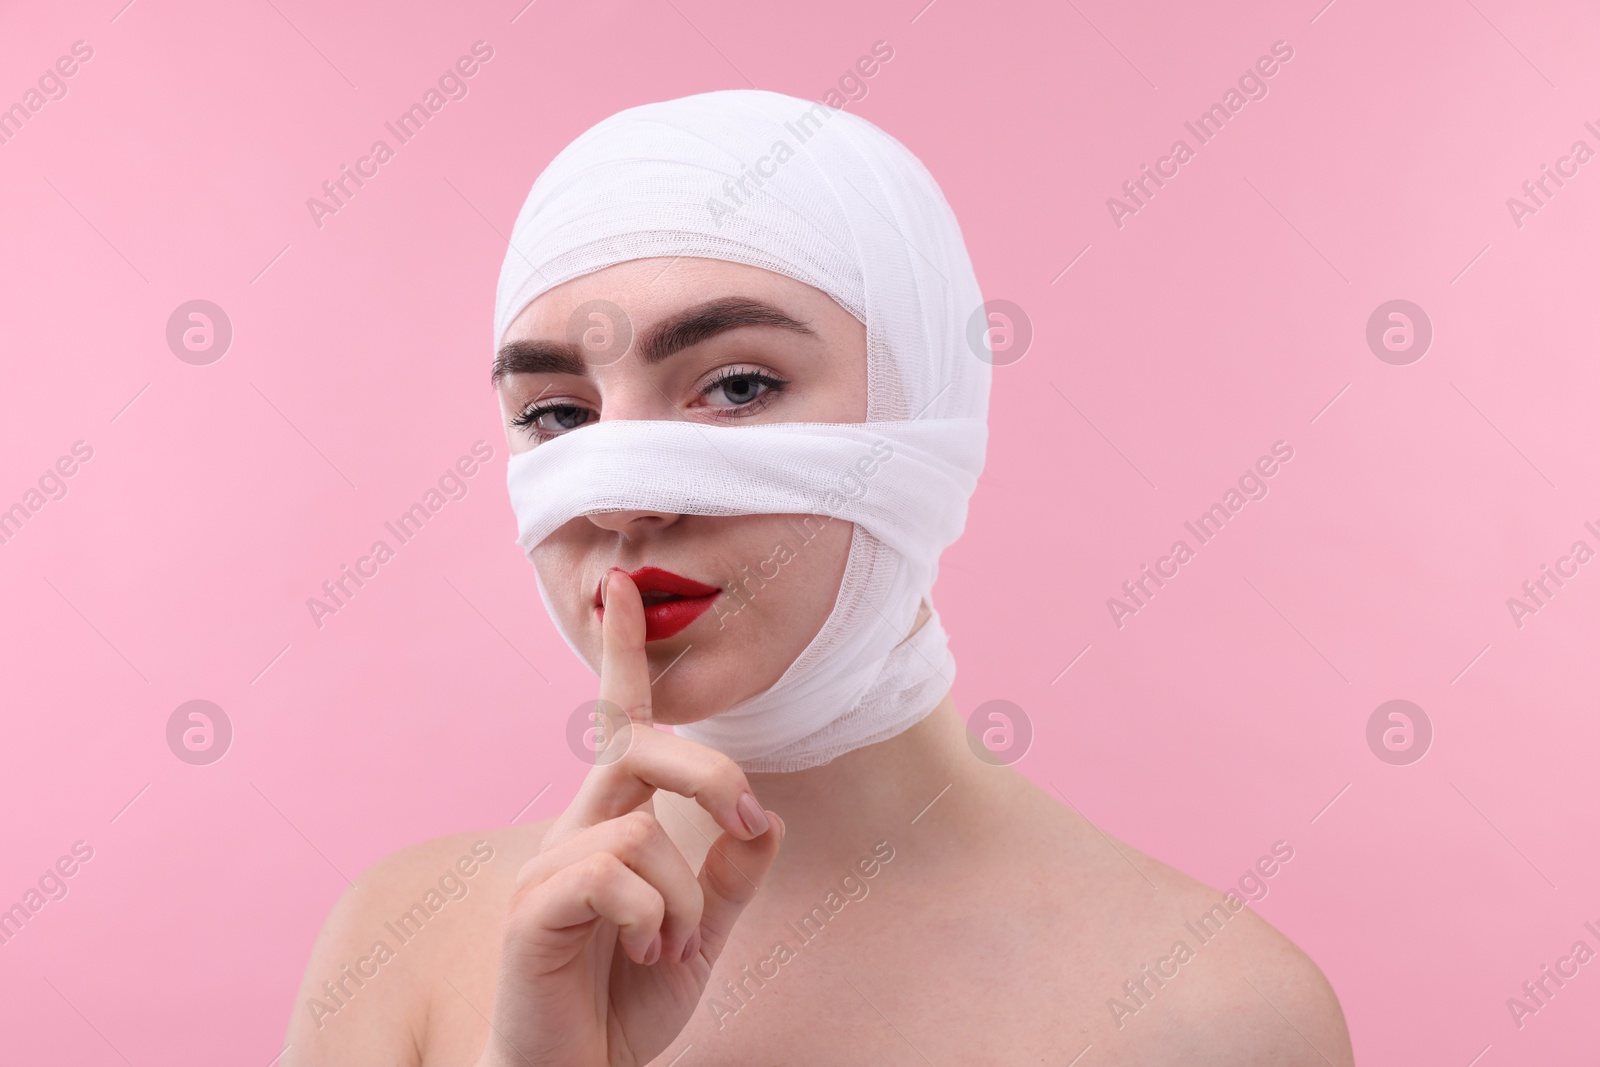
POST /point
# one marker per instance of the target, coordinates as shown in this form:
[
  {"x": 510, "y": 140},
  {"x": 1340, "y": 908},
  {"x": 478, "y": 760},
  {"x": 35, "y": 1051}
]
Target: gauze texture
[{"x": 827, "y": 198}]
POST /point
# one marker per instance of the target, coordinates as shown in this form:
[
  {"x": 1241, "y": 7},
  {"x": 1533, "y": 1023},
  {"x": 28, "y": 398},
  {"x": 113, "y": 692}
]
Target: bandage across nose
[{"x": 848, "y": 210}]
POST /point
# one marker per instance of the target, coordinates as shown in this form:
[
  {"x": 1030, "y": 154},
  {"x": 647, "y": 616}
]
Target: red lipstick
[{"x": 671, "y": 601}]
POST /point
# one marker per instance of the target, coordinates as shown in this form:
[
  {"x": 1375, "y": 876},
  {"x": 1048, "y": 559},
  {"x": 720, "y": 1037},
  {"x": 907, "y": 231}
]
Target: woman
[{"x": 746, "y": 407}]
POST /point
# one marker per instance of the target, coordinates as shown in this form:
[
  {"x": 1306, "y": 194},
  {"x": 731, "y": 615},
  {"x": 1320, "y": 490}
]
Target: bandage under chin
[{"x": 850, "y": 211}]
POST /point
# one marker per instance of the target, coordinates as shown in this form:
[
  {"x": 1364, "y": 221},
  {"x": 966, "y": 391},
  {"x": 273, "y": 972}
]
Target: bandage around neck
[{"x": 827, "y": 198}]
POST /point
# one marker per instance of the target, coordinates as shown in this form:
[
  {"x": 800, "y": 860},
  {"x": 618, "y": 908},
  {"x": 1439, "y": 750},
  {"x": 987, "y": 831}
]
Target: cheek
[
  {"x": 558, "y": 565},
  {"x": 803, "y": 575},
  {"x": 833, "y": 553}
]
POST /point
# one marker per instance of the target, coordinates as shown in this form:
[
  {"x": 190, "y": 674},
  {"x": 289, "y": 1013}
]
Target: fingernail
[
  {"x": 690, "y": 947},
  {"x": 750, "y": 813},
  {"x": 653, "y": 953}
]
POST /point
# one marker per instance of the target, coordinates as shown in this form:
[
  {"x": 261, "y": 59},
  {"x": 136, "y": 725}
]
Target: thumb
[{"x": 732, "y": 874}]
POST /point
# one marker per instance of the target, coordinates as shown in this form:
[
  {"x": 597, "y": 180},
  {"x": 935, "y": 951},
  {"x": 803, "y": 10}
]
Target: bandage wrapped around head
[{"x": 827, "y": 198}]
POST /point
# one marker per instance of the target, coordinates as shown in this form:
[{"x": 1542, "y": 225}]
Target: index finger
[
  {"x": 652, "y": 760},
  {"x": 624, "y": 670}
]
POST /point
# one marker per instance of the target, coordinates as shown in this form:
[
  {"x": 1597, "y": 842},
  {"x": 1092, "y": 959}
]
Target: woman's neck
[{"x": 927, "y": 774}]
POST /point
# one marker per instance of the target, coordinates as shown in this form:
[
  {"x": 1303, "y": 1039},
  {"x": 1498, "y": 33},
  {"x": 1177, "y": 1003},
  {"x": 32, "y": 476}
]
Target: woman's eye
[
  {"x": 742, "y": 388},
  {"x": 562, "y": 418},
  {"x": 732, "y": 394}
]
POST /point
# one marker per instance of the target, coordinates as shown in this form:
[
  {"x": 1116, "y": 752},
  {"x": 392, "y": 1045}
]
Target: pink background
[{"x": 1225, "y": 315}]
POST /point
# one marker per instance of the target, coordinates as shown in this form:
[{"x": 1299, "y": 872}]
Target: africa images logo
[
  {"x": 451, "y": 85},
  {"x": 1252, "y": 85},
  {"x": 739, "y": 990},
  {"x": 451, "y": 485},
  {"x": 851, "y": 87}
]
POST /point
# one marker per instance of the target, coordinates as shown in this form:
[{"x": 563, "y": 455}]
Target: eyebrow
[{"x": 683, "y": 330}]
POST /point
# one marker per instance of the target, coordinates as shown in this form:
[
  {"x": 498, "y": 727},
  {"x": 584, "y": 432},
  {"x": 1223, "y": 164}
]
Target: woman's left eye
[{"x": 742, "y": 389}]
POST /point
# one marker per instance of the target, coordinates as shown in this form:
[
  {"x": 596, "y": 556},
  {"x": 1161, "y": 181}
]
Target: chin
[
  {"x": 690, "y": 698},
  {"x": 695, "y": 691}
]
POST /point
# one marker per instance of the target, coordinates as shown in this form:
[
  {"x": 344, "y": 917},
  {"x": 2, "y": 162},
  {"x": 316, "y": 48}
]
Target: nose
[
  {"x": 643, "y": 403},
  {"x": 633, "y": 524}
]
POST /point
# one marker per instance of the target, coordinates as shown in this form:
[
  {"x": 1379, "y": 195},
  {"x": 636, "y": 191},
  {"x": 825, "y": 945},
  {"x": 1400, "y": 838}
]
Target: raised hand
[{"x": 610, "y": 937}]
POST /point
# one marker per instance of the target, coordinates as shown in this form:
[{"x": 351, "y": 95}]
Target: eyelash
[{"x": 530, "y": 416}]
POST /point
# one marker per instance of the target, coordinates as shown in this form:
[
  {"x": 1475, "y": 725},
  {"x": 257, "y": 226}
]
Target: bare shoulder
[
  {"x": 1228, "y": 982},
  {"x": 417, "y": 912}
]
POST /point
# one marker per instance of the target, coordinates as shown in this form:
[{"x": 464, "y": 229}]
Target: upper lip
[{"x": 656, "y": 580}]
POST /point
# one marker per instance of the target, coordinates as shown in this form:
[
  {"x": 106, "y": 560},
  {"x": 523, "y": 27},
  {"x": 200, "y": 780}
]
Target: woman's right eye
[{"x": 563, "y": 414}]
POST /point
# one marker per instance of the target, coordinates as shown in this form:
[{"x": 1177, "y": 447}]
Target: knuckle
[
  {"x": 522, "y": 904},
  {"x": 560, "y": 831},
  {"x": 725, "y": 774},
  {"x": 595, "y": 870},
  {"x": 649, "y": 907},
  {"x": 694, "y": 906},
  {"x": 529, "y": 875},
  {"x": 638, "y": 830}
]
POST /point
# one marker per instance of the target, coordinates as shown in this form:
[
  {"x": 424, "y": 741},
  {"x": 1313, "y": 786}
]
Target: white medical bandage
[{"x": 827, "y": 198}]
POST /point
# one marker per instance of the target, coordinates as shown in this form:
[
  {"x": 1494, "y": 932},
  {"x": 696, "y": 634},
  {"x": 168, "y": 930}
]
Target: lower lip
[{"x": 663, "y": 620}]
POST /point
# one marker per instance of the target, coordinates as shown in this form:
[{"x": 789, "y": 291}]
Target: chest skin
[{"x": 1011, "y": 957}]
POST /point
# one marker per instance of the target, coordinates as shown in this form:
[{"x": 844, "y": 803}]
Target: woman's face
[{"x": 712, "y": 342}]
